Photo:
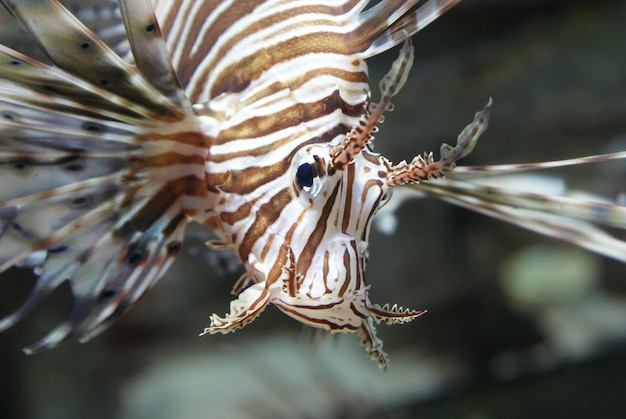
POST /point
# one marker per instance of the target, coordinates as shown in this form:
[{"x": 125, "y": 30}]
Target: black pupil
[{"x": 305, "y": 175}]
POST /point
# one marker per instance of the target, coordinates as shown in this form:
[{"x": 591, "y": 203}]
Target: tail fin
[{"x": 98, "y": 160}]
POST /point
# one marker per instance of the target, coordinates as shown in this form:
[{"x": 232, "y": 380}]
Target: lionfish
[{"x": 253, "y": 118}]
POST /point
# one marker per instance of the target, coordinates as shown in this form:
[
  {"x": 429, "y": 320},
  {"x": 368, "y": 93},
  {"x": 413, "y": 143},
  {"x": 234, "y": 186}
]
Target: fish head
[{"x": 311, "y": 265}]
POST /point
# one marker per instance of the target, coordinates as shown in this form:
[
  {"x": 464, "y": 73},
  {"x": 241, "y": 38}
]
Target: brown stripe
[
  {"x": 308, "y": 252},
  {"x": 291, "y": 279},
  {"x": 293, "y": 116},
  {"x": 266, "y": 215},
  {"x": 357, "y": 312},
  {"x": 295, "y": 84},
  {"x": 160, "y": 203},
  {"x": 228, "y": 18},
  {"x": 172, "y": 15},
  {"x": 347, "y": 211},
  {"x": 325, "y": 321},
  {"x": 238, "y": 76},
  {"x": 256, "y": 152},
  {"x": 276, "y": 270},
  {"x": 168, "y": 159},
  {"x": 368, "y": 185},
  {"x": 247, "y": 180},
  {"x": 359, "y": 266},
  {"x": 214, "y": 181},
  {"x": 174, "y": 223},
  {"x": 327, "y": 137},
  {"x": 372, "y": 158},
  {"x": 244, "y": 181},
  {"x": 193, "y": 138},
  {"x": 239, "y": 214},
  {"x": 316, "y": 306},
  {"x": 349, "y": 76},
  {"x": 325, "y": 268},
  {"x": 190, "y": 62},
  {"x": 346, "y": 280},
  {"x": 266, "y": 249}
]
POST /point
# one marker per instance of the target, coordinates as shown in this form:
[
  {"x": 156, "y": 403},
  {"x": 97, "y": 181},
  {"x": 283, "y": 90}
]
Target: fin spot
[
  {"x": 173, "y": 248},
  {"x": 85, "y": 45},
  {"x": 79, "y": 201},
  {"x": 135, "y": 257},
  {"x": 93, "y": 127},
  {"x": 108, "y": 293},
  {"x": 57, "y": 249},
  {"x": 25, "y": 233},
  {"x": 74, "y": 167},
  {"x": 15, "y": 63},
  {"x": 104, "y": 82}
]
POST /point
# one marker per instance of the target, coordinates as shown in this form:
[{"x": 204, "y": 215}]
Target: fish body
[{"x": 252, "y": 118}]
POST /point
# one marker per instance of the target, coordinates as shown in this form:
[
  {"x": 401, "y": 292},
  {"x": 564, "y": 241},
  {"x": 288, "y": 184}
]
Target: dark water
[{"x": 513, "y": 330}]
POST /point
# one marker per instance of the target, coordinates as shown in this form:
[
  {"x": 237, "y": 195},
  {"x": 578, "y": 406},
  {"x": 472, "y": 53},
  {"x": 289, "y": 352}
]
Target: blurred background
[{"x": 518, "y": 326}]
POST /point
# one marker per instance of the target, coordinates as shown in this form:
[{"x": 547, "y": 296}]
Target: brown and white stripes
[{"x": 252, "y": 117}]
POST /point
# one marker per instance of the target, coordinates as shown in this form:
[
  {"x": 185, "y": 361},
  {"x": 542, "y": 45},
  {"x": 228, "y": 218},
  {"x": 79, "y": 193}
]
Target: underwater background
[{"x": 518, "y": 326}]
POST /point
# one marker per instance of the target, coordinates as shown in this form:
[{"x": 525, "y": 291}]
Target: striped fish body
[
  {"x": 250, "y": 117},
  {"x": 288, "y": 88},
  {"x": 253, "y": 118}
]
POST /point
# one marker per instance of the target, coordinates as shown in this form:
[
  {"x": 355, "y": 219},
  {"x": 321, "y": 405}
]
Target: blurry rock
[
  {"x": 278, "y": 377},
  {"x": 558, "y": 286},
  {"x": 549, "y": 274}
]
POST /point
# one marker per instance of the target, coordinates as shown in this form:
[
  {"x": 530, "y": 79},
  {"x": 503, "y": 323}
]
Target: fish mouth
[{"x": 328, "y": 312}]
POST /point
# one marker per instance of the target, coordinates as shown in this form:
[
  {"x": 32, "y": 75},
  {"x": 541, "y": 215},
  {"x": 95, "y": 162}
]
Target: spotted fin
[
  {"x": 104, "y": 19},
  {"x": 93, "y": 164}
]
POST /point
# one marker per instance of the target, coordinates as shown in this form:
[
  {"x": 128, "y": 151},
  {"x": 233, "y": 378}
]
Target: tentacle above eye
[
  {"x": 424, "y": 167},
  {"x": 361, "y": 135}
]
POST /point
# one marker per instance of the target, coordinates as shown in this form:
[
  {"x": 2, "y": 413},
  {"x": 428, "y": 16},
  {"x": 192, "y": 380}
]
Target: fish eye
[{"x": 304, "y": 175}]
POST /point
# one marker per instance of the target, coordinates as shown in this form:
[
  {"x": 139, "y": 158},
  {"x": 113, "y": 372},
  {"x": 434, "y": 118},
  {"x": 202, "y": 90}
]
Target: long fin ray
[
  {"x": 116, "y": 281},
  {"x": 392, "y": 25},
  {"x": 39, "y": 223},
  {"x": 149, "y": 51},
  {"x": 378, "y": 18},
  {"x": 570, "y": 219},
  {"x": 61, "y": 264},
  {"x": 104, "y": 162},
  {"x": 126, "y": 294},
  {"x": 103, "y": 18},
  {"x": 55, "y": 173},
  {"x": 31, "y": 83},
  {"x": 76, "y": 50},
  {"x": 470, "y": 172}
]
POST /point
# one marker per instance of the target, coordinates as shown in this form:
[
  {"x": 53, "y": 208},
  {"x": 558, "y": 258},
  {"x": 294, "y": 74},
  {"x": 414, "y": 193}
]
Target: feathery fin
[
  {"x": 395, "y": 314},
  {"x": 89, "y": 150},
  {"x": 77, "y": 51}
]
